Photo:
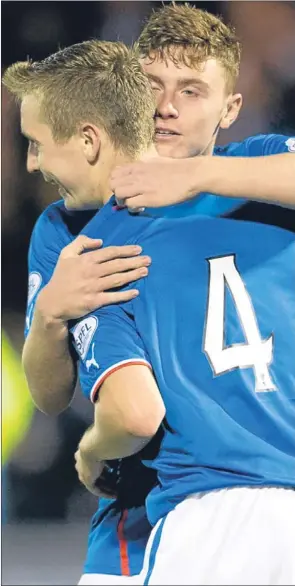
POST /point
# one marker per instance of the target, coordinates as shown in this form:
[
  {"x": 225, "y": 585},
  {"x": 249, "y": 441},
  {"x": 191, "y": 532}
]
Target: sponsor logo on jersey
[
  {"x": 83, "y": 334},
  {"x": 290, "y": 143},
  {"x": 34, "y": 285}
]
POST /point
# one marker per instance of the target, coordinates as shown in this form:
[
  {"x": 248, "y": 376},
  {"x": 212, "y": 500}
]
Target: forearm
[
  {"x": 49, "y": 367},
  {"x": 127, "y": 415},
  {"x": 270, "y": 179},
  {"x": 108, "y": 440}
]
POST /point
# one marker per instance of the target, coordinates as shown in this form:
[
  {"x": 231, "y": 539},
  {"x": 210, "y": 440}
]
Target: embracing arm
[
  {"x": 128, "y": 414},
  {"x": 263, "y": 171},
  {"x": 270, "y": 178},
  {"x": 80, "y": 283},
  {"x": 48, "y": 364}
]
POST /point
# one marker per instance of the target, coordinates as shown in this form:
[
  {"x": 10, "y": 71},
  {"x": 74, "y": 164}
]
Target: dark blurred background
[{"x": 41, "y": 495}]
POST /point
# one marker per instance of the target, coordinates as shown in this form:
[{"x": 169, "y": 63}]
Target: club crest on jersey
[
  {"x": 83, "y": 334},
  {"x": 290, "y": 143},
  {"x": 34, "y": 285}
]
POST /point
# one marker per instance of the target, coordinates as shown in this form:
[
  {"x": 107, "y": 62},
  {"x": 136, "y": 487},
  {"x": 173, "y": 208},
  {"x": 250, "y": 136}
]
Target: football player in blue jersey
[
  {"x": 212, "y": 204},
  {"x": 210, "y": 346},
  {"x": 119, "y": 529},
  {"x": 77, "y": 283},
  {"x": 192, "y": 60}
]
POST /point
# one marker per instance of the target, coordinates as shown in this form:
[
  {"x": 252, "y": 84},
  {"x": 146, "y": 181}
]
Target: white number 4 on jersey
[{"x": 255, "y": 353}]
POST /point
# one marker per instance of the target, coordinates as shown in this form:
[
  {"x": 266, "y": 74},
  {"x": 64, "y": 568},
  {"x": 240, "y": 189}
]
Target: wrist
[
  {"x": 48, "y": 314},
  {"x": 198, "y": 173},
  {"x": 89, "y": 445},
  {"x": 213, "y": 171}
]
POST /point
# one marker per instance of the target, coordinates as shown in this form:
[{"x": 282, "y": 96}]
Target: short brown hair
[
  {"x": 190, "y": 36},
  {"x": 94, "y": 81}
]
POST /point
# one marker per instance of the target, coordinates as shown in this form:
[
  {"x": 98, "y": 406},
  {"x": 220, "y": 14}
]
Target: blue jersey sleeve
[
  {"x": 105, "y": 341},
  {"x": 258, "y": 146},
  {"x": 45, "y": 246}
]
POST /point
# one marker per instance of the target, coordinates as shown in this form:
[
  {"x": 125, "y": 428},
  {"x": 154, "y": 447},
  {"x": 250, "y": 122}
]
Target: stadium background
[{"x": 45, "y": 511}]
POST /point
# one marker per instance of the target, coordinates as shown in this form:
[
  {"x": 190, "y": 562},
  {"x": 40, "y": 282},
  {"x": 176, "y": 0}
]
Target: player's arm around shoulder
[
  {"x": 78, "y": 284},
  {"x": 127, "y": 414},
  {"x": 245, "y": 170},
  {"x": 49, "y": 366},
  {"x": 261, "y": 168}
]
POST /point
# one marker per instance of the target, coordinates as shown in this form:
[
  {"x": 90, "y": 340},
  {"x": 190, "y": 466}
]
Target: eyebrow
[
  {"x": 183, "y": 82},
  {"x": 28, "y": 137}
]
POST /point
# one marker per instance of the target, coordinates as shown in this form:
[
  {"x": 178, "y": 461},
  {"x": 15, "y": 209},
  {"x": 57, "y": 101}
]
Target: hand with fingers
[
  {"x": 99, "y": 477},
  {"x": 88, "y": 472},
  {"x": 156, "y": 182},
  {"x": 86, "y": 275}
]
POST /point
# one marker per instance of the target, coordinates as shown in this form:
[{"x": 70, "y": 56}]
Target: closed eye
[
  {"x": 34, "y": 147},
  {"x": 189, "y": 92},
  {"x": 155, "y": 88}
]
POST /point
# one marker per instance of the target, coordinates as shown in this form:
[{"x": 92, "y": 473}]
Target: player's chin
[
  {"x": 174, "y": 151},
  {"x": 64, "y": 194},
  {"x": 71, "y": 203}
]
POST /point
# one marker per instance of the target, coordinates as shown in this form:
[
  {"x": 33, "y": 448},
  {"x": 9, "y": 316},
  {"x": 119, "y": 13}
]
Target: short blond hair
[
  {"x": 190, "y": 36},
  {"x": 94, "y": 81}
]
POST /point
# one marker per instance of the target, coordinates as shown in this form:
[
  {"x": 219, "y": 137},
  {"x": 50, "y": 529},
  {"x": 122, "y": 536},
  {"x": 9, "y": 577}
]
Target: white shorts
[
  {"x": 108, "y": 580},
  {"x": 229, "y": 536}
]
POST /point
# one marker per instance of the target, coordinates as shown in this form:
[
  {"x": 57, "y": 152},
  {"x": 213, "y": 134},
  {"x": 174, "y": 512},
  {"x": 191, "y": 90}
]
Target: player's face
[
  {"x": 191, "y": 104},
  {"x": 64, "y": 164}
]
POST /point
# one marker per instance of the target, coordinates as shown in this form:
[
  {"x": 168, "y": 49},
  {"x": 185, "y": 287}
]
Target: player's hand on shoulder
[
  {"x": 153, "y": 182},
  {"x": 82, "y": 282}
]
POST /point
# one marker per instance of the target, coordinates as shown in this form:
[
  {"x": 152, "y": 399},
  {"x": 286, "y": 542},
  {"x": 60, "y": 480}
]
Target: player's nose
[
  {"x": 32, "y": 162},
  {"x": 165, "y": 107}
]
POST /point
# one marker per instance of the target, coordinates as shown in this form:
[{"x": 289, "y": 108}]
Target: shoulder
[
  {"x": 50, "y": 235},
  {"x": 58, "y": 226},
  {"x": 117, "y": 226},
  {"x": 258, "y": 145},
  {"x": 48, "y": 221}
]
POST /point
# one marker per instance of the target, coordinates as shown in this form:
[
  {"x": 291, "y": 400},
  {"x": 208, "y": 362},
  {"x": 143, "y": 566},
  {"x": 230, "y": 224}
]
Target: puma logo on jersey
[{"x": 92, "y": 361}]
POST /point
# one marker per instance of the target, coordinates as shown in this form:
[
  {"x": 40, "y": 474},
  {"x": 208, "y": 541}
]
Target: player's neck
[
  {"x": 123, "y": 159},
  {"x": 116, "y": 160}
]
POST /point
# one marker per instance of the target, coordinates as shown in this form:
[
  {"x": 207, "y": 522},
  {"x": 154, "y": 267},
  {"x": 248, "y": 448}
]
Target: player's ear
[
  {"x": 231, "y": 111},
  {"x": 91, "y": 140}
]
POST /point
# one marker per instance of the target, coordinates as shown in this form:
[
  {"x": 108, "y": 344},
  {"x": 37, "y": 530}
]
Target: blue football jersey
[
  {"x": 215, "y": 319},
  {"x": 119, "y": 530}
]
